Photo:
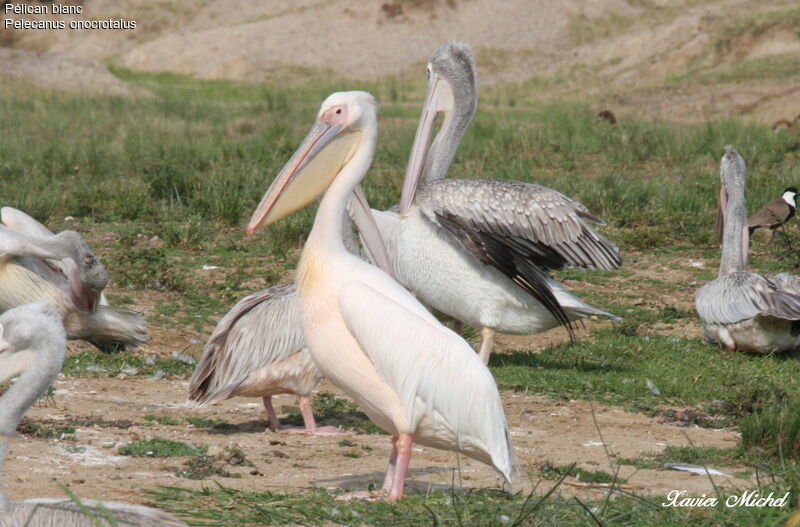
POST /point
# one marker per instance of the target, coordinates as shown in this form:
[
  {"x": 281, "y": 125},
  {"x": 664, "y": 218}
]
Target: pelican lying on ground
[
  {"x": 33, "y": 345},
  {"x": 258, "y": 348},
  {"x": 412, "y": 376},
  {"x": 775, "y": 213},
  {"x": 479, "y": 250},
  {"x": 36, "y": 264},
  {"x": 741, "y": 309}
]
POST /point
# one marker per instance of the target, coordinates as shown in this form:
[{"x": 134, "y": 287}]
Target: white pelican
[
  {"x": 478, "y": 250},
  {"x": 36, "y": 264},
  {"x": 32, "y": 345},
  {"x": 412, "y": 376},
  {"x": 741, "y": 309},
  {"x": 258, "y": 348}
]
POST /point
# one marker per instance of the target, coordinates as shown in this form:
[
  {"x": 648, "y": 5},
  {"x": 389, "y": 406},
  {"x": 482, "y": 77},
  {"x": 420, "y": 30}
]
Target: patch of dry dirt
[{"x": 560, "y": 432}]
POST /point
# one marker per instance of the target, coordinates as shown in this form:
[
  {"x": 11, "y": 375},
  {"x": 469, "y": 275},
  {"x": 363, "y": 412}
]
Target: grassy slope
[{"x": 190, "y": 166}]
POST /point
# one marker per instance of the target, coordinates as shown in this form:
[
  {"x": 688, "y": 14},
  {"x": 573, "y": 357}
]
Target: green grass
[
  {"x": 160, "y": 448},
  {"x": 774, "y": 431},
  {"x": 614, "y": 369},
  {"x": 202, "y": 467},
  {"x": 99, "y": 364},
  {"x": 163, "y": 420},
  {"x": 222, "y": 506},
  {"x": 550, "y": 471},
  {"x": 48, "y": 430},
  {"x": 702, "y": 455}
]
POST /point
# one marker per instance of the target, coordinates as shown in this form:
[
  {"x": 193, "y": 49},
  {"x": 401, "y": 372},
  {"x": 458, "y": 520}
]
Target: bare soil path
[{"x": 108, "y": 413}]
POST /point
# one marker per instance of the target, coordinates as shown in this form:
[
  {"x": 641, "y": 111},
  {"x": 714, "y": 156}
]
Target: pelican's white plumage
[
  {"x": 412, "y": 376},
  {"x": 741, "y": 309},
  {"x": 33, "y": 345}
]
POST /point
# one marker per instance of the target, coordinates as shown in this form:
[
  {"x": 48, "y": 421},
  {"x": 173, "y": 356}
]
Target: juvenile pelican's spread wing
[
  {"x": 423, "y": 374},
  {"x": 522, "y": 230},
  {"x": 533, "y": 222},
  {"x": 262, "y": 329}
]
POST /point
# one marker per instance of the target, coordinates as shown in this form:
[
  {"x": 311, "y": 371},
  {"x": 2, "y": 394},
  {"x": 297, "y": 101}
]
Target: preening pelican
[
  {"x": 479, "y": 250},
  {"x": 412, "y": 376},
  {"x": 741, "y": 309},
  {"x": 258, "y": 348},
  {"x": 36, "y": 264},
  {"x": 33, "y": 345}
]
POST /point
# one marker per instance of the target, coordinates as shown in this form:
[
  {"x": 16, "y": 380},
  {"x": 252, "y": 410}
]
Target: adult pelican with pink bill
[{"x": 412, "y": 376}]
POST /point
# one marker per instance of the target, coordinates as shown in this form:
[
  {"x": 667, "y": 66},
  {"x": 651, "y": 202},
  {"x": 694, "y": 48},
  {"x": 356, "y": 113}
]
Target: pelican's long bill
[
  {"x": 439, "y": 98},
  {"x": 324, "y": 151}
]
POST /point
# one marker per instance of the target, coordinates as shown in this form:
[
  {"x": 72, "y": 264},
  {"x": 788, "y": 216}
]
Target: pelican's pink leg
[
  {"x": 403, "y": 449},
  {"x": 308, "y": 419},
  {"x": 487, "y": 343},
  {"x": 388, "y": 480},
  {"x": 274, "y": 423},
  {"x": 311, "y": 424}
]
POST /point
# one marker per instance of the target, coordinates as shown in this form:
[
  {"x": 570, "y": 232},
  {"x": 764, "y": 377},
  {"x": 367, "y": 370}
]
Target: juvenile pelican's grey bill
[
  {"x": 365, "y": 221},
  {"x": 320, "y": 135},
  {"x": 438, "y": 98}
]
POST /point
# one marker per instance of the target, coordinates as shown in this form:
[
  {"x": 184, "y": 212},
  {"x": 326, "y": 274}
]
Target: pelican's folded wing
[
  {"x": 744, "y": 295},
  {"x": 433, "y": 370},
  {"x": 259, "y": 330}
]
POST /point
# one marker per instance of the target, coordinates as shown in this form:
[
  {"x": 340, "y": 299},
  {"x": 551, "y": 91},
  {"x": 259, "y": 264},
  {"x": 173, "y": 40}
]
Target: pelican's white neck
[{"x": 326, "y": 235}]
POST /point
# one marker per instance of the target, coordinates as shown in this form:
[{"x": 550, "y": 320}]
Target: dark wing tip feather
[{"x": 493, "y": 250}]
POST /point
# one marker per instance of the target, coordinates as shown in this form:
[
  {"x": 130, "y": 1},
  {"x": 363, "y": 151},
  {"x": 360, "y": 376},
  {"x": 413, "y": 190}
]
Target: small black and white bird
[{"x": 775, "y": 213}]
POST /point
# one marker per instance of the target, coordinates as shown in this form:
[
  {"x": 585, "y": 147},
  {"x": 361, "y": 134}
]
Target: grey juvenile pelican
[
  {"x": 258, "y": 348},
  {"x": 741, "y": 309},
  {"x": 36, "y": 264},
  {"x": 479, "y": 250},
  {"x": 32, "y": 345}
]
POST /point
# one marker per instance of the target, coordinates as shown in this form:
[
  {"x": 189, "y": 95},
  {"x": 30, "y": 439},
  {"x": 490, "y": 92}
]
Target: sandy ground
[{"x": 560, "y": 432}]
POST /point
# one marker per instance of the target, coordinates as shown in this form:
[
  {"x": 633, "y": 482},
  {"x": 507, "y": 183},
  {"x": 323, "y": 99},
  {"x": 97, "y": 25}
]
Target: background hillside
[{"x": 680, "y": 60}]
